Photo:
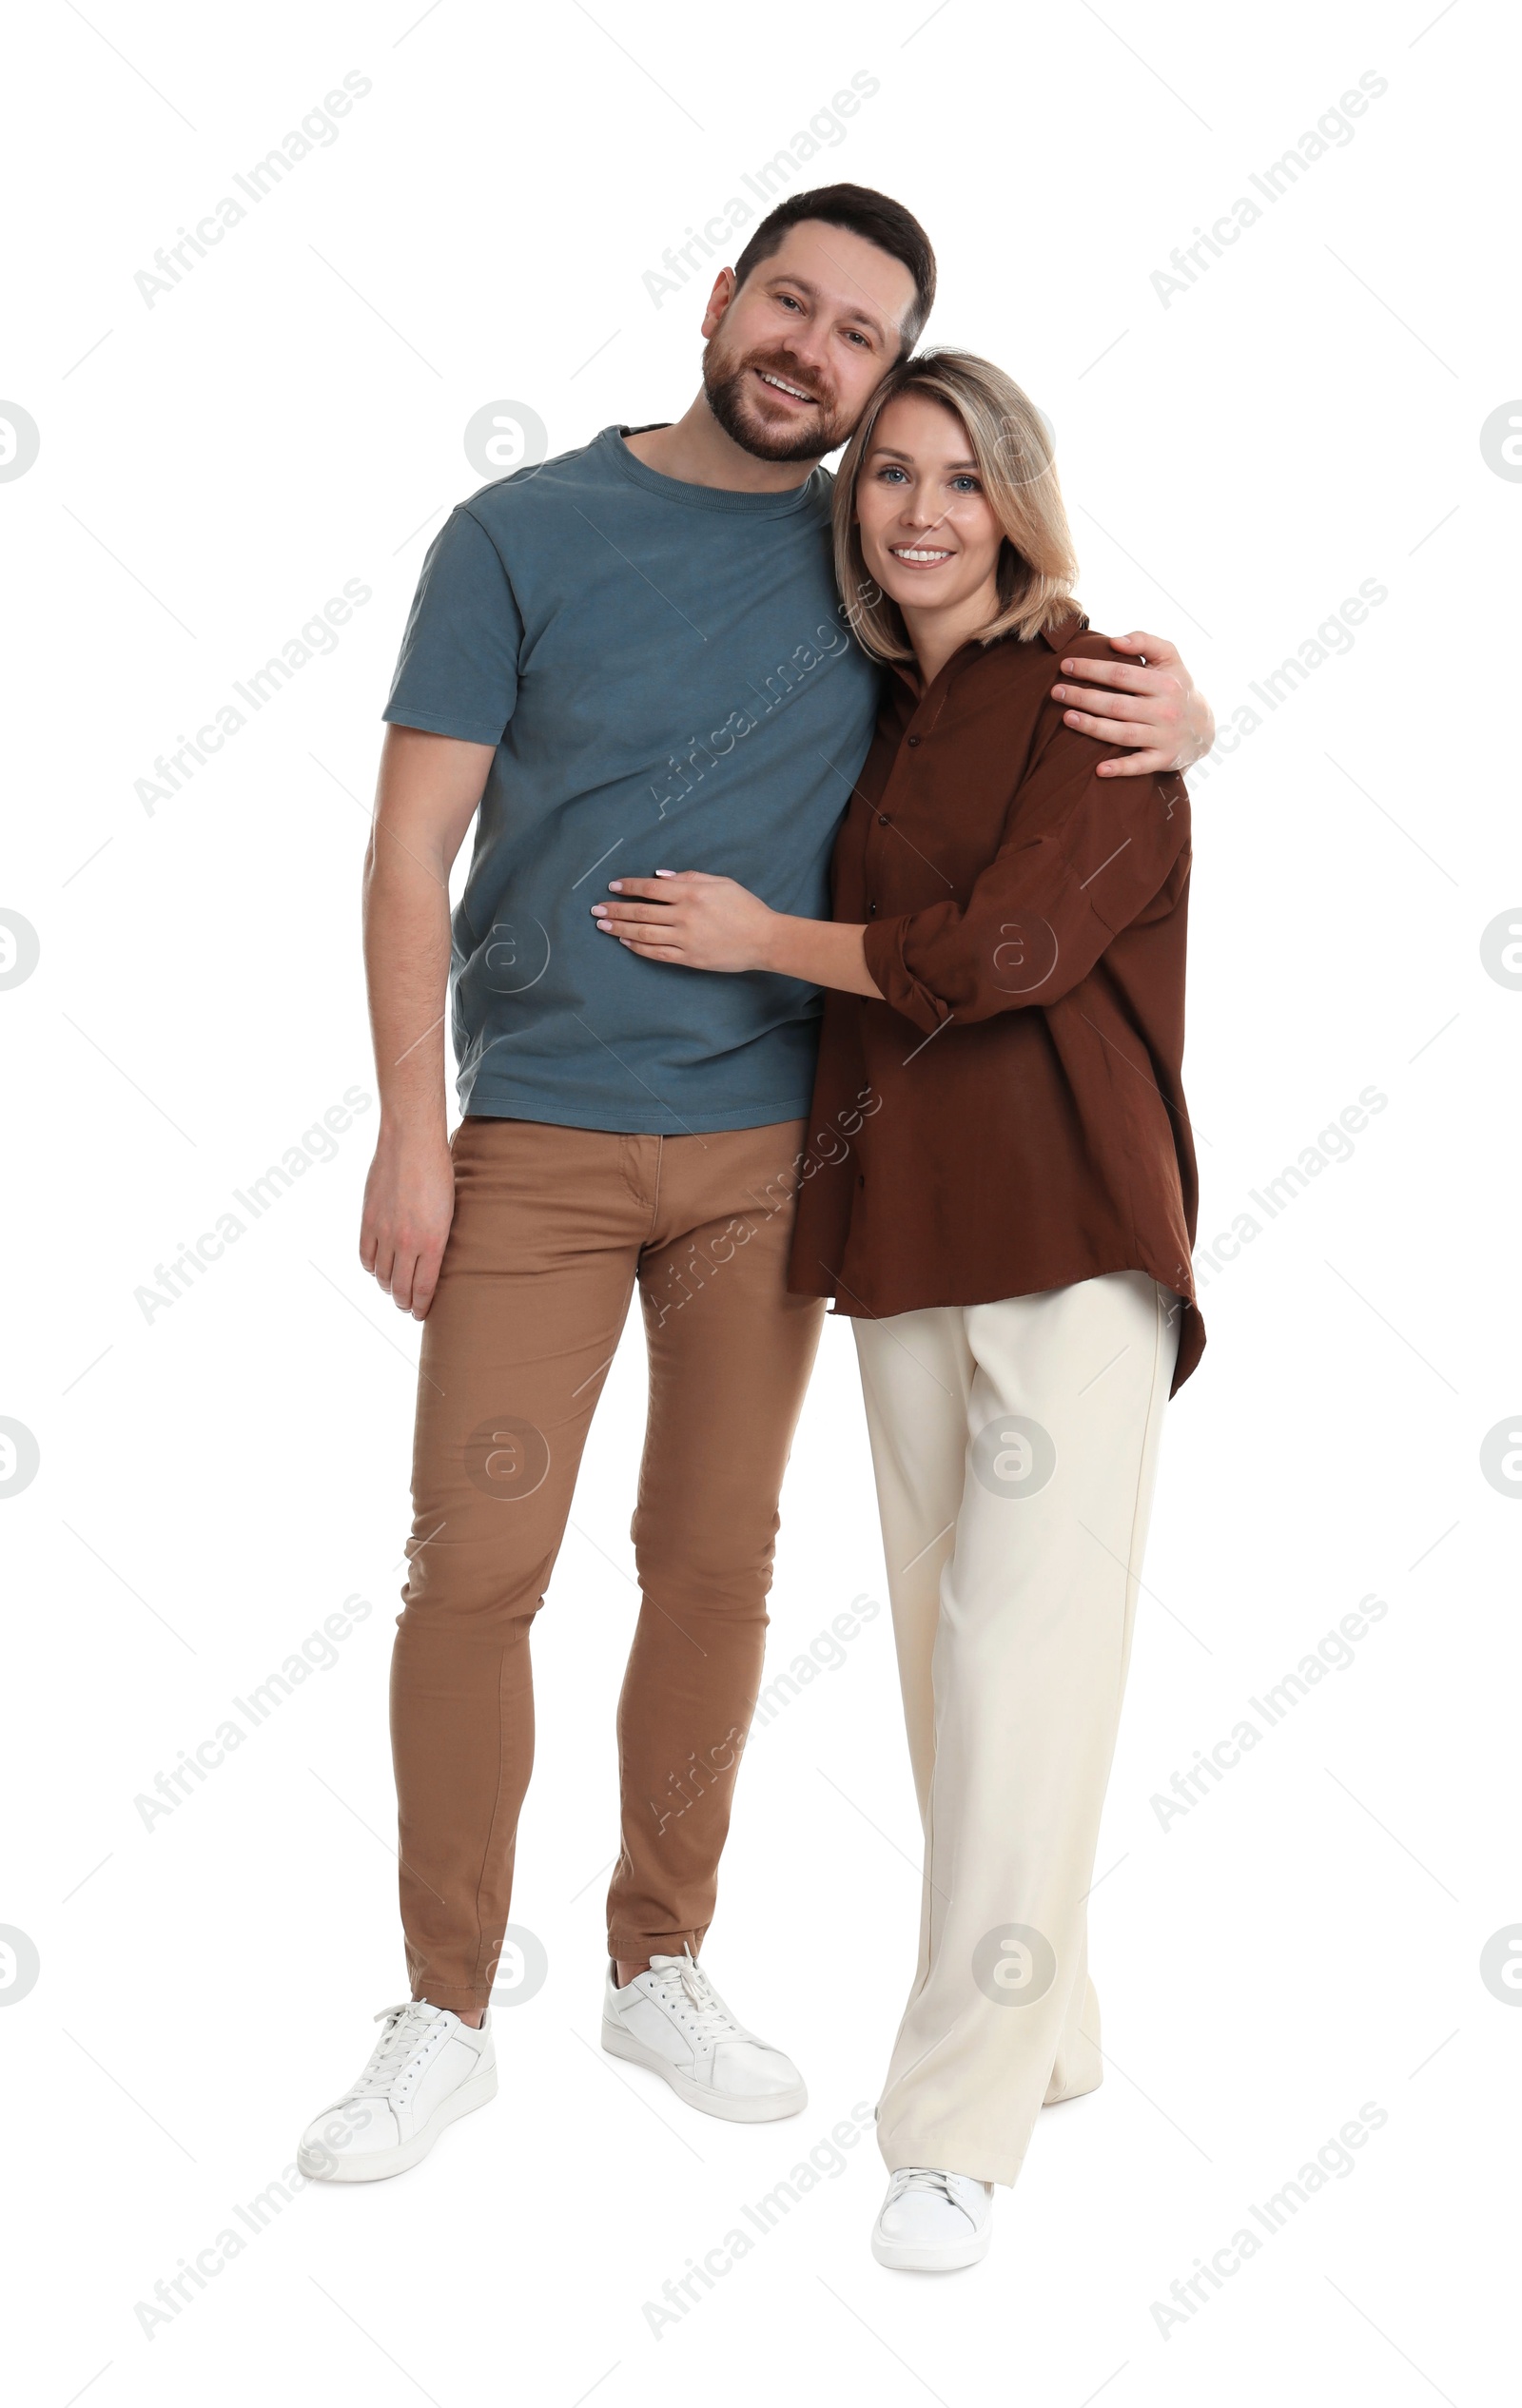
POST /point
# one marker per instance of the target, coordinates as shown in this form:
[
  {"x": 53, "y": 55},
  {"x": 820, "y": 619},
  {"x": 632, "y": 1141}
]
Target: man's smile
[{"x": 779, "y": 384}]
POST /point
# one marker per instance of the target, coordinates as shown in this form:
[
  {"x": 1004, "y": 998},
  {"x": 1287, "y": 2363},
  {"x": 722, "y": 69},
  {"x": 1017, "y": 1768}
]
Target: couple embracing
[{"x": 824, "y": 938}]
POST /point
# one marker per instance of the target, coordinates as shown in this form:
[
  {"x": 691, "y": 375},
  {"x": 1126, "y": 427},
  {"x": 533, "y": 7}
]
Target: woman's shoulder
[
  {"x": 1016, "y": 673},
  {"x": 1070, "y": 636},
  {"x": 1019, "y": 669},
  {"x": 1013, "y": 657}
]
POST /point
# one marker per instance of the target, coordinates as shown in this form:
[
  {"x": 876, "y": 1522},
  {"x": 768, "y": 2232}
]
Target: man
[{"x": 627, "y": 658}]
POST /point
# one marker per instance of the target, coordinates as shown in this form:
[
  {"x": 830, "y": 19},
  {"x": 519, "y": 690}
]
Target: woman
[{"x": 1001, "y": 1194}]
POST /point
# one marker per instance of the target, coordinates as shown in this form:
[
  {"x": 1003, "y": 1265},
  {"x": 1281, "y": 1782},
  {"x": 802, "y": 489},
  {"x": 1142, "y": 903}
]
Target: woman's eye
[{"x": 966, "y": 485}]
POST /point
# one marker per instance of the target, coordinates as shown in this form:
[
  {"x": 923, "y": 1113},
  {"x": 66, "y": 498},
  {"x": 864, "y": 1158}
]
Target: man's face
[{"x": 794, "y": 355}]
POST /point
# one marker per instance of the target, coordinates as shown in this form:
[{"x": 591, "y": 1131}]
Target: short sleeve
[{"x": 456, "y": 672}]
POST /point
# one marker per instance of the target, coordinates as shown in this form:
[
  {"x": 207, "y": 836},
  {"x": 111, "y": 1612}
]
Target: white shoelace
[
  {"x": 710, "y": 2019},
  {"x": 409, "y": 2025},
  {"x": 926, "y": 2178}
]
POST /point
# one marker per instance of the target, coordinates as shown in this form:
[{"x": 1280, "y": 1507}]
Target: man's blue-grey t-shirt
[{"x": 667, "y": 675}]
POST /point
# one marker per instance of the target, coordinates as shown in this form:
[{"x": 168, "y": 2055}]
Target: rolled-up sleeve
[{"x": 1082, "y": 857}]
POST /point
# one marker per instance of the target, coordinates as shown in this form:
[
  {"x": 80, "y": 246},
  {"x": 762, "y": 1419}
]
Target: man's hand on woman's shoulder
[{"x": 1156, "y": 709}]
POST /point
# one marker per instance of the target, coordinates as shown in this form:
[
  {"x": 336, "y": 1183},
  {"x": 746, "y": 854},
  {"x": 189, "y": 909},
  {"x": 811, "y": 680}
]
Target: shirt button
[
  {"x": 861, "y": 1178},
  {"x": 914, "y": 740},
  {"x": 882, "y": 819},
  {"x": 871, "y": 911}
]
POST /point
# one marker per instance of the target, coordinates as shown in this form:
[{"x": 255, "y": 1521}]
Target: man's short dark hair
[{"x": 872, "y": 215}]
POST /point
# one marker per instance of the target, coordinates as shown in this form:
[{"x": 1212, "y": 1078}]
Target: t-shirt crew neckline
[{"x": 673, "y": 489}]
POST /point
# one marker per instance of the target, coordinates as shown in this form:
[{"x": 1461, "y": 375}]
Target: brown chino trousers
[{"x": 552, "y": 1226}]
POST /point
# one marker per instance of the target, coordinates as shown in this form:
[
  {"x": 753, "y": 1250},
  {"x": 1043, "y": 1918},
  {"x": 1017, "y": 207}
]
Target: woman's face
[{"x": 929, "y": 534}]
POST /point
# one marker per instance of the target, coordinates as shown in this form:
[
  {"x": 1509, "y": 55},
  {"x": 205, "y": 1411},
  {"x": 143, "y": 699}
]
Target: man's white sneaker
[
  {"x": 672, "y": 2020},
  {"x": 427, "y": 2068},
  {"x": 931, "y": 2222}
]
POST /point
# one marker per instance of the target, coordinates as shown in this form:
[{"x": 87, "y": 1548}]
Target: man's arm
[
  {"x": 425, "y": 797},
  {"x": 1157, "y": 709}
]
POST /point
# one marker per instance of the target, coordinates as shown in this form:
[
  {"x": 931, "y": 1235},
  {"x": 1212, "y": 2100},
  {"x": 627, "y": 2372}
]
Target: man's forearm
[
  {"x": 426, "y": 794},
  {"x": 428, "y": 790},
  {"x": 407, "y": 962}
]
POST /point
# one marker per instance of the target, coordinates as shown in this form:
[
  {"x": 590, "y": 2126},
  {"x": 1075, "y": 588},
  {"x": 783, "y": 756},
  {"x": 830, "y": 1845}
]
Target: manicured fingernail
[
  {"x": 665, "y": 873},
  {"x": 1069, "y": 668},
  {"x": 616, "y": 886}
]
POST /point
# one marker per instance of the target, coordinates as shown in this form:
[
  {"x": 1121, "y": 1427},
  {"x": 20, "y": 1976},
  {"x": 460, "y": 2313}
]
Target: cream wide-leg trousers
[{"x": 1015, "y": 1450}]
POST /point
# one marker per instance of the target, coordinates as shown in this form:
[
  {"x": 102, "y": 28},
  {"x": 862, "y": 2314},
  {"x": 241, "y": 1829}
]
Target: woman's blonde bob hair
[{"x": 1011, "y": 444}]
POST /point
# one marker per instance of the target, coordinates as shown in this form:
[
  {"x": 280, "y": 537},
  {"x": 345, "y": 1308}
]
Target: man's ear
[{"x": 718, "y": 302}]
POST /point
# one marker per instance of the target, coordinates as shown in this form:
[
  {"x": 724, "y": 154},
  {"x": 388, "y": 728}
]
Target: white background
[{"x": 1307, "y": 1938}]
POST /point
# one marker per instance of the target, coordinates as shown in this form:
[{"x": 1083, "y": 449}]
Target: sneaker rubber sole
[{"x": 909, "y": 2257}]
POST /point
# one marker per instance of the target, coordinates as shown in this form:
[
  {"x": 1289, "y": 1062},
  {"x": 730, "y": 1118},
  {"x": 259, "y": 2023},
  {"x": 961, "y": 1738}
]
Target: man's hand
[
  {"x": 689, "y": 916},
  {"x": 409, "y": 1202},
  {"x": 1158, "y": 710}
]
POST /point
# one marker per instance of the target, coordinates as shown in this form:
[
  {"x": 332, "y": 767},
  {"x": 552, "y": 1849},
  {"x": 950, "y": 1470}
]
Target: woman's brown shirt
[{"x": 1011, "y": 1116}]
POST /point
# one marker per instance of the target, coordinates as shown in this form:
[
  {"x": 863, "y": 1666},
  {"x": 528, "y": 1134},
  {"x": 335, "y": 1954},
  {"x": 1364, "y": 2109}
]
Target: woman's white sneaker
[
  {"x": 932, "y": 2223},
  {"x": 674, "y": 2021},
  {"x": 427, "y": 2068}
]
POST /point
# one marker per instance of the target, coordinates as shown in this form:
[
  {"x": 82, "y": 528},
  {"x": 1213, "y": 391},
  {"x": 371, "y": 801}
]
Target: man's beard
[{"x": 728, "y": 384}]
